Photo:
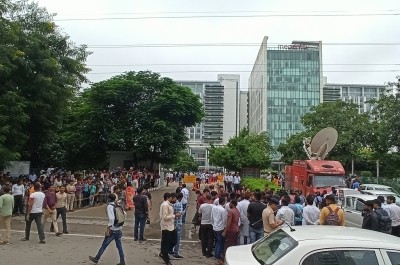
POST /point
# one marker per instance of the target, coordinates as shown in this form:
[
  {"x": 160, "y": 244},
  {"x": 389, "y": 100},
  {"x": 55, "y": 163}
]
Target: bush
[
  {"x": 256, "y": 183},
  {"x": 366, "y": 176}
]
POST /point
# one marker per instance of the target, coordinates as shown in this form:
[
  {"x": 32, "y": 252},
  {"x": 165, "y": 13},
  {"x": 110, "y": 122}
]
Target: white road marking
[{"x": 98, "y": 236}]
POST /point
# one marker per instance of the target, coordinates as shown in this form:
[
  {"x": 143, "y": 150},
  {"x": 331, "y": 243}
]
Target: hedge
[{"x": 256, "y": 183}]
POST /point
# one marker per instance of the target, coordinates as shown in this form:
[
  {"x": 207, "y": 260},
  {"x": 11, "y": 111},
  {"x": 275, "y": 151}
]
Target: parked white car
[
  {"x": 352, "y": 206},
  {"x": 383, "y": 193},
  {"x": 369, "y": 187},
  {"x": 319, "y": 245}
]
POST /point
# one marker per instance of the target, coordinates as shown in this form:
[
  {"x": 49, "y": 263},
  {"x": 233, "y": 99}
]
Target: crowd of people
[
  {"x": 55, "y": 193},
  {"x": 237, "y": 218}
]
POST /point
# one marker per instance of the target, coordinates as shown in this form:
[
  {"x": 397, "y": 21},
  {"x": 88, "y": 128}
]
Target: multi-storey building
[
  {"x": 356, "y": 93},
  {"x": 221, "y": 121},
  {"x": 286, "y": 81},
  {"x": 243, "y": 110}
]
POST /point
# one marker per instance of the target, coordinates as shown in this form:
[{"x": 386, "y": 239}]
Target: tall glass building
[{"x": 286, "y": 81}]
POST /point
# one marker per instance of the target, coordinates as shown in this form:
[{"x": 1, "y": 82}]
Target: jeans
[
  {"x": 256, "y": 234},
  {"x": 114, "y": 235},
  {"x": 38, "y": 220},
  {"x": 18, "y": 204},
  {"x": 207, "y": 239},
  {"x": 140, "y": 220},
  {"x": 219, "y": 244},
  {"x": 178, "y": 239},
  {"x": 168, "y": 241},
  {"x": 184, "y": 215},
  {"x": 63, "y": 213}
]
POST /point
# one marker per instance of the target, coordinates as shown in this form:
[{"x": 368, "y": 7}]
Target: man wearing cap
[{"x": 269, "y": 222}]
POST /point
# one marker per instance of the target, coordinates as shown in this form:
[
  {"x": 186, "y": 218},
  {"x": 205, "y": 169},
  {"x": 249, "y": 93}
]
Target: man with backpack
[
  {"x": 116, "y": 219},
  {"x": 331, "y": 214},
  {"x": 384, "y": 221}
]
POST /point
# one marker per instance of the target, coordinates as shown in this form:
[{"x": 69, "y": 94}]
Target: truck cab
[{"x": 312, "y": 176}]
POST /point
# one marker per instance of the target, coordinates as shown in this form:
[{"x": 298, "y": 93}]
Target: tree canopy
[
  {"x": 245, "y": 150},
  {"x": 40, "y": 72},
  {"x": 136, "y": 111},
  {"x": 344, "y": 117},
  {"x": 184, "y": 162}
]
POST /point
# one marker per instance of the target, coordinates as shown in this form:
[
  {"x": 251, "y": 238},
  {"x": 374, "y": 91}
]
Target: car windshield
[
  {"x": 270, "y": 249},
  {"x": 329, "y": 181}
]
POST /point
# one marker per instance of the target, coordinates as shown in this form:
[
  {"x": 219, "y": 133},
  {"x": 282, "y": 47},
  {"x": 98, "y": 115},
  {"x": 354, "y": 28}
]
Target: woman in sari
[{"x": 130, "y": 193}]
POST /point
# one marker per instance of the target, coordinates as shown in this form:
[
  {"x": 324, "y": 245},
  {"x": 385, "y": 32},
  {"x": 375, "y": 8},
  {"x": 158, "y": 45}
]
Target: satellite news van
[{"x": 316, "y": 174}]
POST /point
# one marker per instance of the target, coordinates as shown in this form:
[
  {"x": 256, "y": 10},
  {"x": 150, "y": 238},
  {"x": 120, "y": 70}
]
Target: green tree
[
  {"x": 245, "y": 150},
  {"x": 184, "y": 162},
  {"x": 351, "y": 125},
  {"x": 40, "y": 73},
  {"x": 136, "y": 111}
]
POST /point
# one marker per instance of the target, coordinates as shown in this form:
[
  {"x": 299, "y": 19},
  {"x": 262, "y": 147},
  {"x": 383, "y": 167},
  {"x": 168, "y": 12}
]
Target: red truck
[{"x": 311, "y": 176}]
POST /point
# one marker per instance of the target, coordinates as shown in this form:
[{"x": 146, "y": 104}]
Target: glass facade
[{"x": 293, "y": 87}]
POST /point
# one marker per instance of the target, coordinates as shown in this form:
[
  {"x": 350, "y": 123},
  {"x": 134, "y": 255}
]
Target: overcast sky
[{"x": 228, "y": 29}]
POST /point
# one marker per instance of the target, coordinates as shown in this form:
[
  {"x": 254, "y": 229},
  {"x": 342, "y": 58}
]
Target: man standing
[
  {"x": 229, "y": 181},
  {"x": 178, "y": 208},
  {"x": 331, "y": 214},
  {"x": 185, "y": 200},
  {"x": 285, "y": 213},
  {"x": 35, "y": 212},
  {"x": 49, "y": 209},
  {"x": 61, "y": 208},
  {"x": 78, "y": 193},
  {"x": 113, "y": 232},
  {"x": 370, "y": 220},
  {"x": 394, "y": 214},
  {"x": 18, "y": 191},
  {"x": 311, "y": 213},
  {"x": 6, "y": 209},
  {"x": 207, "y": 234},
  {"x": 254, "y": 214},
  {"x": 218, "y": 218},
  {"x": 141, "y": 212},
  {"x": 168, "y": 235},
  {"x": 269, "y": 222},
  {"x": 236, "y": 182},
  {"x": 242, "y": 206},
  {"x": 71, "y": 189}
]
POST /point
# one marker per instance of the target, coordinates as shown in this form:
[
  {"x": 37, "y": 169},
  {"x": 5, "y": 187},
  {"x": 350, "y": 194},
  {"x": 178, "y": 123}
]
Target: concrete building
[
  {"x": 243, "y": 110},
  {"x": 356, "y": 93},
  {"x": 286, "y": 81},
  {"x": 221, "y": 121}
]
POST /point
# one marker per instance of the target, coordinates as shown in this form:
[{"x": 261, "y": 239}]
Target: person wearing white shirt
[
  {"x": 184, "y": 201},
  {"x": 218, "y": 219},
  {"x": 236, "y": 183},
  {"x": 384, "y": 206},
  {"x": 242, "y": 206},
  {"x": 34, "y": 213},
  {"x": 113, "y": 232},
  {"x": 229, "y": 181},
  {"x": 311, "y": 213},
  {"x": 285, "y": 213},
  {"x": 18, "y": 191},
  {"x": 394, "y": 213}
]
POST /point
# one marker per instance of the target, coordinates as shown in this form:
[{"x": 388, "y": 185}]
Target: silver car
[
  {"x": 319, "y": 245},
  {"x": 352, "y": 206}
]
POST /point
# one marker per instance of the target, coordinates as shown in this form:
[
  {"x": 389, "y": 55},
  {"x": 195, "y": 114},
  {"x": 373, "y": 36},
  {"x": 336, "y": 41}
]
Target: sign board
[
  {"x": 189, "y": 179},
  {"x": 18, "y": 168},
  {"x": 253, "y": 172}
]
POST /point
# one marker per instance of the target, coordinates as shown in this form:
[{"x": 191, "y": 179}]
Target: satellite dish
[{"x": 322, "y": 143}]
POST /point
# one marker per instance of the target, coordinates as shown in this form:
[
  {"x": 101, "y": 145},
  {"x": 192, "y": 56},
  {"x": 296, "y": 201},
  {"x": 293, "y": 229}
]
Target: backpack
[
  {"x": 120, "y": 215},
  {"x": 333, "y": 217},
  {"x": 384, "y": 221}
]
